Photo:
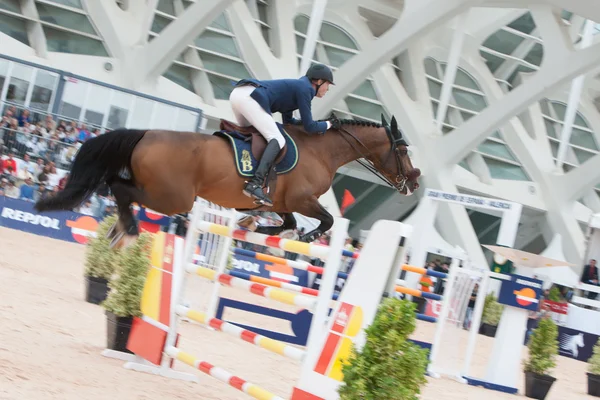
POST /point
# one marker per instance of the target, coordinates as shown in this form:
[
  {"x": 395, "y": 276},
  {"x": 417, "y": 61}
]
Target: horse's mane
[{"x": 358, "y": 122}]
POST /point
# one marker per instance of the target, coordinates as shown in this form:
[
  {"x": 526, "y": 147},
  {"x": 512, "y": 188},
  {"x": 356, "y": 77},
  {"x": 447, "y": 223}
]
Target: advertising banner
[
  {"x": 62, "y": 225},
  {"x": 521, "y": 292},
  {"x": 282, "y": 273},
  {"x": 575, "y": 344},
  {"x": 559, "y": 308}
]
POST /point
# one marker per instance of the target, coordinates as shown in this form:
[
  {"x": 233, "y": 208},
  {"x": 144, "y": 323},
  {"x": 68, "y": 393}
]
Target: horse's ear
[
  {"x": 383, "y": 121},
  {"x": 394, "y": 126}
]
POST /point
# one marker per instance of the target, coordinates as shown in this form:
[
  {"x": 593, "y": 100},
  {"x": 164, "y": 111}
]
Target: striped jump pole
[
  {"x": 426, "y": 318},
  {"x": 424, "y": 271},
  {"x": 294, "y": 246},
  {"x": 274, "y": 346},
  {"x": 255, "y": 288},
  {"x": 249, "y": 388},
  {"x": 418, "y": 293},
  {"x": 278, "y": 284},
  {"x": 300, "y": 265}
]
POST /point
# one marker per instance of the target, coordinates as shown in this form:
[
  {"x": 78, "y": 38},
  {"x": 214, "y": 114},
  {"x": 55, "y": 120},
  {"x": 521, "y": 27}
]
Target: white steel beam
[
  {"x": 312, "y": 34},
  {"x": 155, "y": 57},
  {"x": 106, "y": 26},
  {"x": 451, "y": 67},
  {"x": 509, "y": 65},
  {"x": 419, "y": 18},
  {"x": 577, "y": 182},
  {"x": 457, "y": 144},
  {"x": 573, "y": 102}
]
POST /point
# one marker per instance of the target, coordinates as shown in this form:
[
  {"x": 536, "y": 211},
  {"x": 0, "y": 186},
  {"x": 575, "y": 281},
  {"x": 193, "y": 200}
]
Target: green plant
[
  {"x": 388, "y": 366},
  {"x": 492, "y": 310},
  {"x": 100, "y": 259},
  {"x": 543, "y": 348},
  {"x": 554, "y": 294},
  {"x": 594, "y": 361},
  {"x": 133, "y": 263}
]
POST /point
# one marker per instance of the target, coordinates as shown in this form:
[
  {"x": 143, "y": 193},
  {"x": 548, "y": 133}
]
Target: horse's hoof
[{"x": 310, "y": 237}]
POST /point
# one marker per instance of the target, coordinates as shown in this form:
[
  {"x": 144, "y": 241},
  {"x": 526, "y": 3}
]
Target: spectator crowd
[{"x": 36, "y": 152}]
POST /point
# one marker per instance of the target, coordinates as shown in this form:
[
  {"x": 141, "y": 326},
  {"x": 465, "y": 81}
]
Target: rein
[{"x": 373, "y": 167}]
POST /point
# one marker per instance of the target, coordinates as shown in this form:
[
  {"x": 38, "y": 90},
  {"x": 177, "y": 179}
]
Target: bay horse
[{"x": 165, "y": 170}]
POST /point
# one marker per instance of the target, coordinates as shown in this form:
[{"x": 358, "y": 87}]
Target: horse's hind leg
[
  {"x": 289, "y": 223},
  {"x": 313, "y": 209},
  {"x": 125, "y": 193}
]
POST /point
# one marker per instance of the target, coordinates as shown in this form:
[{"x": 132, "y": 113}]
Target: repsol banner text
[{"x": 63, "y": 225}]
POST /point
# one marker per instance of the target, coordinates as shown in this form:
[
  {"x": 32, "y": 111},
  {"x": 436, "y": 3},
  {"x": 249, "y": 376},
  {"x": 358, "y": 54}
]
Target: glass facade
[
  {"x": 583, "y": 144},
  {"x": 516, "y": 47},
  {"x": 467, "y": 100},
  {"x": 213, "y": 55},
  {"x": 65, "y": 24},
  {"x": 46, "y": 92},
  {"x": 334, "y": 47}
]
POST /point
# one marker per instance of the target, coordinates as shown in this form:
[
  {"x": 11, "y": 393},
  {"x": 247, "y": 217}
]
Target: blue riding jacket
[{"x": 285, "y": 96}]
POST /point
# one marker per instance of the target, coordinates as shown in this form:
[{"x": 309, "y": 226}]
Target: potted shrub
[
  {"x": 593, "y": 373},
  {"x": 543, "y": 348},
  {"x": 126, "y": 287},
  {"x": 388, "y": 366},
  {"x": 554, "y": 295},
  {"x": 490, "y": 318},
  {"x": 99, "y": 263}
]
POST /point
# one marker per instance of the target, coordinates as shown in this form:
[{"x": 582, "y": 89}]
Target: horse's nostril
[{"x": 414, "y": 174}]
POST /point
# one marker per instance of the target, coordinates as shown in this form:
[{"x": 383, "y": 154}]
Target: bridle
[{"x": 372, "y": 165}]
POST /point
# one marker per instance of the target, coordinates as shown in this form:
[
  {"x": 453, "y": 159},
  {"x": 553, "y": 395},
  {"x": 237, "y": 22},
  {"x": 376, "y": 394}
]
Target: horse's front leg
[{"x": 313, "y": 209}]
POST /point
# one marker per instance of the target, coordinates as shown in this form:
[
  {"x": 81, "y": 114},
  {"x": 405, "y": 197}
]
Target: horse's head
[{"x": 395, "y": 164}]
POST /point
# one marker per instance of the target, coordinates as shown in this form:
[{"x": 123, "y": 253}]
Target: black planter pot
[
  {"x": 537, "y": 386},
  {"x": 488, "y": 330},
  {"x": 117, "y": 332},
  {"x": 96, "y": 289},
  {"x": 593, "y": 385}
]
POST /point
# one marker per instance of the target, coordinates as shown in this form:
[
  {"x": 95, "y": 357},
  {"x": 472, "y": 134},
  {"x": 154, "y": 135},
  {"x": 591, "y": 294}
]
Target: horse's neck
[{"x": 345, "y": 148}]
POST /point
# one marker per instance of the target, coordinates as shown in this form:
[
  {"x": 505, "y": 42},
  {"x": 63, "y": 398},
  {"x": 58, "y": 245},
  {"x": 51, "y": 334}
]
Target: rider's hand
[{"x": 334, "y": 121}]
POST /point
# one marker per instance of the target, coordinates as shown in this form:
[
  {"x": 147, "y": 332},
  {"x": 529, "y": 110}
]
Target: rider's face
[{"x": 323, "y": 89}]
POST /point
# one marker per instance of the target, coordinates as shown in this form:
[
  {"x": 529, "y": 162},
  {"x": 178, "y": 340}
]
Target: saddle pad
[{"x": 245, "y": 161}]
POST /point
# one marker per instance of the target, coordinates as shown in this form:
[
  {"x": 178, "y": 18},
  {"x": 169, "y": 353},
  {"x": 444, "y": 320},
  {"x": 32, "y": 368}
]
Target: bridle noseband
[{"x": 399, "y": 182}]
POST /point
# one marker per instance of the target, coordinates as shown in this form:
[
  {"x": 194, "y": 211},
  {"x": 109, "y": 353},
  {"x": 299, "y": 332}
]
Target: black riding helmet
[{"x": 320, "y": 71}]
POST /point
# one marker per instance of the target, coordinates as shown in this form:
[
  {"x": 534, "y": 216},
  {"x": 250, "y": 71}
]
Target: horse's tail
[{"x": 98, "y": 160}]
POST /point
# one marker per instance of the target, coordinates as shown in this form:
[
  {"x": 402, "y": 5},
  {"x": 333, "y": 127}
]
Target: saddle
[{"x": 253, "y": 135}]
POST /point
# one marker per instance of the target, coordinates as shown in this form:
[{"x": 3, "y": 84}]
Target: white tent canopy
[{"x": 550, "y": 265}]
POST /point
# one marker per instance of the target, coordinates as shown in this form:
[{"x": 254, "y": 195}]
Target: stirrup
[{"x": 253, "y": 190}]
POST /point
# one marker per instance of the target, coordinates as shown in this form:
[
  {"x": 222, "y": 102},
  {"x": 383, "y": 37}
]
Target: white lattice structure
[{"x": 513, "y": 125}]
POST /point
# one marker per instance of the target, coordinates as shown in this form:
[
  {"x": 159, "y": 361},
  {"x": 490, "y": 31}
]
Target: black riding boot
[{"x": 254, "y": 188}]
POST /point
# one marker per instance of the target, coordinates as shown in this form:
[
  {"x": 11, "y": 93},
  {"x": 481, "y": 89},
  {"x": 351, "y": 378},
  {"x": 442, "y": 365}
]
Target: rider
[{"x": 253, "y": 102}]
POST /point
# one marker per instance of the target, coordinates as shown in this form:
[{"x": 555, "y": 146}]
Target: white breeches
[{"x": 248, "y": 112}]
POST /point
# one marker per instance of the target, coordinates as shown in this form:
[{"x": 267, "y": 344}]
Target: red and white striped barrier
[
  {"x": 274, "y": 346},
  {"x": 249, "y": 388},
  {"x": 255, "y": 288},
  {"x": 294, "y": 246}
]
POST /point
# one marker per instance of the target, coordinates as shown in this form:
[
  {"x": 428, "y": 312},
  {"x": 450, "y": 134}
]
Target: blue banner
[
  {"x": 62, "y": 225},
  {"x": 521, "y": 292},
  {"x": 146, "y": 215},
  {"x": 282, "y": 273},
  {"x": 571, "y": 343}
]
